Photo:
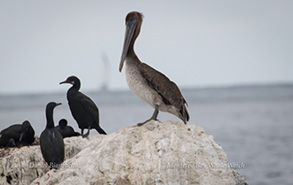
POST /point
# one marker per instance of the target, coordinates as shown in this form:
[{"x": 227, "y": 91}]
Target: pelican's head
[{"x": 133, "y": 23}]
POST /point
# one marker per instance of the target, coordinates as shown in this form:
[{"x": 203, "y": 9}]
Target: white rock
[
  {"x": 156, "y": 153},
  {"x": 25, "y": 164}
]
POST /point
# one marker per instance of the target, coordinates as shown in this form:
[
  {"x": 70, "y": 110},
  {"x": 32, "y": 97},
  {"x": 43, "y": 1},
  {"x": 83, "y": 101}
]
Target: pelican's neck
[{"x": 132, "y": 58}]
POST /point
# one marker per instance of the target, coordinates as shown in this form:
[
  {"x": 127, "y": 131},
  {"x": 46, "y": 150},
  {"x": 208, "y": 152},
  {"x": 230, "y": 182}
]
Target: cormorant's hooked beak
[
  {"x": 67, "y": 82},
  {"x": 129, "y": 33},
  {"x": 57, "y": 104}
]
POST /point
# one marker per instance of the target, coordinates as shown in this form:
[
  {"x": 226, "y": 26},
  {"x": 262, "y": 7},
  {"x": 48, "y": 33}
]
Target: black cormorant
[
  {"x": 18, "y": 134},
  {"x": 27, "y": 133},
  {"x": 65, "y": 130},
  {"x": 83, "y": 109},
  {"x": 51, "y": 141}
]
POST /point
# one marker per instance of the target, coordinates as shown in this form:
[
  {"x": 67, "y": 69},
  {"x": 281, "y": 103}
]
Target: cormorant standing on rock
[
  {"x": 18, "y": 134},
  {"x": 51, "y": 141},
  {"x": 65, "y": 130},
  {"x": 83, "y": 109}
]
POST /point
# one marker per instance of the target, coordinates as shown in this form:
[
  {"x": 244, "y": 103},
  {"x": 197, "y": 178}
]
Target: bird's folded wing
[
  {"x": 90, "y": 107},
  {"x": 166, "y": 88}
]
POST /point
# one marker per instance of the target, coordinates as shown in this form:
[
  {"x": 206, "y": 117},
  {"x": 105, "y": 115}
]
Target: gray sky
[{"x": 195, "y": 43}]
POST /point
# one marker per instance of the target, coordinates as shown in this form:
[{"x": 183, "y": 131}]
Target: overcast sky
[{"x": 195, "y": 43}]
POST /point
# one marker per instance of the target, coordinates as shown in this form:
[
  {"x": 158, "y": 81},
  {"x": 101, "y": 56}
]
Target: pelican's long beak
[{"x": 129, "y": 33}]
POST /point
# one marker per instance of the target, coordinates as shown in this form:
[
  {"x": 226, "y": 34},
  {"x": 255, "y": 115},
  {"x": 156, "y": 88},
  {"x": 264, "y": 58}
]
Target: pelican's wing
[{"x": 164, "y": 86}]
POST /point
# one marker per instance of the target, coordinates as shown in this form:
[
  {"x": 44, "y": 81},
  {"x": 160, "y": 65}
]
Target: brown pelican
[{"x": 146, "y": 82}]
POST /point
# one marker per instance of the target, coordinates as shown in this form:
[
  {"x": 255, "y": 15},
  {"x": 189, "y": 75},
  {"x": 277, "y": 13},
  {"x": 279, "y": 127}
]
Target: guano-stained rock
[{"x": 156, "y": 153}]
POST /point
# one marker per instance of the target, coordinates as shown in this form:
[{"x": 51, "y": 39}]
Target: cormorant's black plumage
[
  {"x": 27, "y": 133},
  {"x": 83, "y": 109},
  {"x": 17, "y": 135},
  {"x": 65, "y": 130},
  {"x": 51, "y": 141}
]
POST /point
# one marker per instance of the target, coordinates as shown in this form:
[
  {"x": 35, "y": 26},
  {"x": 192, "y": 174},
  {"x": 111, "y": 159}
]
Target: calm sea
[{"x": 254, "y": 124}]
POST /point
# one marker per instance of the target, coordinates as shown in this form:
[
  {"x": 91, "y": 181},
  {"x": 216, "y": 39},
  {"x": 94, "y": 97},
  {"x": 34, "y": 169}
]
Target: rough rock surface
[
  {"x": 25, "y": 164},
  {"x": 155, "y": 153}
]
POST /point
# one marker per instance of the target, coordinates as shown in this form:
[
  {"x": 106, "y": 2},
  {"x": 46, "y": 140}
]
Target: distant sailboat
[{"x": 105, "y": 73}]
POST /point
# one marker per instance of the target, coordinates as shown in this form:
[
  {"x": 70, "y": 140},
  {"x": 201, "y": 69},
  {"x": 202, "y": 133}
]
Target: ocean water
[{"x": 254, "y": 124}]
